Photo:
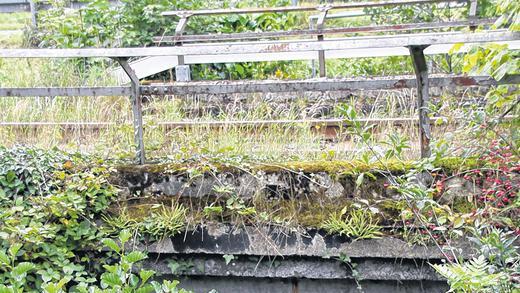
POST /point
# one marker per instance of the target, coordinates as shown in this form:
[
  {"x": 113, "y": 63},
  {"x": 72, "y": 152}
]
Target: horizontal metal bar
[
  {"x": 181, "y": 13},
  {"x": 7, "y": 2},
  {"x": 315, "y": 32},
  {"x": 147, "y": 66},
  {"x": 18, "y": 6},
  {"x": 65, "y": 91},
  {"x": 241, "y": 123},
  {"x": 343, "y": 14},
  {"x": 273, "y": 46},
  {"x": 229, "y": 87},
  {"x": 13, "y": 7},
  {"x": 89, "y": 125}
]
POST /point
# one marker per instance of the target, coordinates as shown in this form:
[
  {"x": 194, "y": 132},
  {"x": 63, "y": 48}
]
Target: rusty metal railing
[{"x": 416, "y": 43}]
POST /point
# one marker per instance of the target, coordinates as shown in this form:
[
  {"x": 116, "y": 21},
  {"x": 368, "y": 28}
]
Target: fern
[
  {"x": 471, "y": 276},
  {"x": 359, "y": 224},
  {"x": 166, "y": 222}
]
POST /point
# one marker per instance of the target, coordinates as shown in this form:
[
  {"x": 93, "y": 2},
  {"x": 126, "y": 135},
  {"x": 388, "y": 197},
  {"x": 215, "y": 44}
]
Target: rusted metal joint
[
  {"x": 324, "y": 7},
  {"x": 184, "y": 13}
]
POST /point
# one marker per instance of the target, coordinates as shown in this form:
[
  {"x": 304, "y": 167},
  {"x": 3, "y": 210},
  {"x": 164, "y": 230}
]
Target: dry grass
[{"x": 268, "y": 142}]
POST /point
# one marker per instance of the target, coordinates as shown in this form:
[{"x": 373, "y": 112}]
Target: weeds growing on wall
[
  {"x": 490, "y": 215},
  {"x": 358, "y": 224}
]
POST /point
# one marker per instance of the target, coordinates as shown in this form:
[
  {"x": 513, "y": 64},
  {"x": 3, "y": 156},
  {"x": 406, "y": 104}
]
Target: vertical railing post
[
  {"x": 182, "y": 71},
  {"x": 137, "y": 109},
  {"x": 423, "y": 97},
  {"x": 34, "y": 14},
  {"x": 320, "y": 25},
  {"x": 472, "y": 14}
]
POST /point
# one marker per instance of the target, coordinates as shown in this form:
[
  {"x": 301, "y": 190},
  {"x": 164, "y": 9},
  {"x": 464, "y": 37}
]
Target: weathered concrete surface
[
  {"x": 268, "y": 259},
  {"x": 273, "y": 258},
  {"x": 270, "y": 241},
  {"x": 290, "y": 267},
  {"x": 282, "y": 184},
  {"x": 269, "y": 285}
]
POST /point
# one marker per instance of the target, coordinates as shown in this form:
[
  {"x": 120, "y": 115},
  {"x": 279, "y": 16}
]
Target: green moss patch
[{"x": 450, "y": 164}]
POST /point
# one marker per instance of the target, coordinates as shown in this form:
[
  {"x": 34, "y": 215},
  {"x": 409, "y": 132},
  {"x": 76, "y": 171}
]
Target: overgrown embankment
[{"x": 208, "y": 220}]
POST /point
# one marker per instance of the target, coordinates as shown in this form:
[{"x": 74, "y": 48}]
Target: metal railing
[
  {"x": 319, "y": 31},
  {"x": 414, "y": 43}
]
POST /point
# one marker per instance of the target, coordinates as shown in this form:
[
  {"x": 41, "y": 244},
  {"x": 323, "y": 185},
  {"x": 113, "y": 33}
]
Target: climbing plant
[{"x": 49, "y": 203}]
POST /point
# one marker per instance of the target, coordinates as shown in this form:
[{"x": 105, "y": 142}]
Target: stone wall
[{"x": 267, "y": 257}]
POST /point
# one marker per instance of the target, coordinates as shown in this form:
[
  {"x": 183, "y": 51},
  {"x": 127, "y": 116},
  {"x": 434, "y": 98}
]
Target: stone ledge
[
  {"x": 269, "y": 241},
  {"x": 290, "y": 267}
]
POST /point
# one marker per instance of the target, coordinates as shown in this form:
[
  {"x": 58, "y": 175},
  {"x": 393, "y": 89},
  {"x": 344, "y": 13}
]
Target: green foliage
[
  {"x": 237, "y": 205},
  {"x": 95, "y": 25},
  {"x": 48, "y": 208},
  {"x": 135, "y": 23},
  {"x": 471, "y": 276},
  {"x": 355, "y": 127},
  {"x": 495, "y": 59},
  {"x": 25, "y": 171},
  {"x": 179, "y": 266},
  {"x": 376, "y": 66},
  {"x": 497, "y": 246},
  {"x": 397, "y": 144},
  {"x": 509, "y": 14},
  {"x": 409, "y": 13},
  {"x": 125, "y": 276},
  {"x": 228, "y": 258},
  {"x": 359, "y": 224},
  {"x": 166, "y": 222},
  {"x": 210, "y": 211},
  {"x": 121, "y": 221},
  {"x": 491, "y": 59},
  {"x": 14, "y": 277},
  {"x": 346, "y": 260}
]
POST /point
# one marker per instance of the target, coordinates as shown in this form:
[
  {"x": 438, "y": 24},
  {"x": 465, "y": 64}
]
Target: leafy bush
[
  {"x": 50, "y": 203},
  {"x": 494, "y": 270},
  {"x": 48, "y": 208},
  {"x": 122, "y": 277},
  {"x": 134, "y": 23}
]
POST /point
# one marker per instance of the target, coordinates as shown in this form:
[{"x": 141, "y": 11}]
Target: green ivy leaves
[{"x": 48, "y": 206}]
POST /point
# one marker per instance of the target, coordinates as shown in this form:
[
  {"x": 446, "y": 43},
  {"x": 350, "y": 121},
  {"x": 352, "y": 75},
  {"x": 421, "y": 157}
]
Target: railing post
[
  {"x": 320, "y": 25},
  {"x": 34, "y": 16},
  {"x": 472, "y": 15},
  {"x": 137, "y": 109},
  {"x": 182, "y": 71},
  {"x": 423, "y": 98}
]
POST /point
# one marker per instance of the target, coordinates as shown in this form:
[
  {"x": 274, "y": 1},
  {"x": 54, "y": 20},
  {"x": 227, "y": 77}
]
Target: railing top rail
[
  {"x": 324, "y": 31},
  {"x": 184, "y": 13},
  {"x": 272, "y": 46}
]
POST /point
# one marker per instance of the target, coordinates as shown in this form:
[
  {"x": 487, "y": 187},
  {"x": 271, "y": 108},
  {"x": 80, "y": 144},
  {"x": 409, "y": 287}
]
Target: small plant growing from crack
[
  {"x": 359, "y": 224},
  {"x": 228, "y": 258},
  {"x": 346, "y": 260}
]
